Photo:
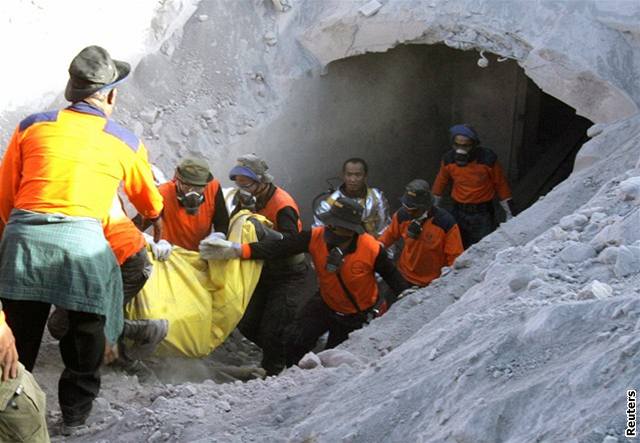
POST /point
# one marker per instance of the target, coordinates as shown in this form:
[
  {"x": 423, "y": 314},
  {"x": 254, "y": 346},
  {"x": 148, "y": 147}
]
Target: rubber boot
[{"x": 146, "y": 335}]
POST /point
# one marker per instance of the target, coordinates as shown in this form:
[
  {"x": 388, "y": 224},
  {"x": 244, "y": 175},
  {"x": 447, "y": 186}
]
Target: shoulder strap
[{"x": 349, "y": 294}]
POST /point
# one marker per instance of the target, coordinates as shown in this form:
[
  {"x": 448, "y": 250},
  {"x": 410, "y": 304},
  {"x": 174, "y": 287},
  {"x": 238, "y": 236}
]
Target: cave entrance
[{"x": 394, "y": 109}]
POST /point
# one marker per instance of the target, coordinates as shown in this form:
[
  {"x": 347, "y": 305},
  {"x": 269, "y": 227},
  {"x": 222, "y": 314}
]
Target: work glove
[
  {"x": 215, "y": 235},
  {"x": 161, "y": 250},
  {"x": 437, "y": 199},
  {"x": 506, "y": 205},
  {"x": 216, "y": 248}
]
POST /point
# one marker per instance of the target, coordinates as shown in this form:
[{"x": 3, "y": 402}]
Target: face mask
[
  {"x": 246, "y": 199},
  {"x": 461, "y": 157},
  {"x": 415, "y": 227},
  {"x": 332, "y": 239},
  {"x": 334, "y": 260},
  {"x": 191, "y": 201}
]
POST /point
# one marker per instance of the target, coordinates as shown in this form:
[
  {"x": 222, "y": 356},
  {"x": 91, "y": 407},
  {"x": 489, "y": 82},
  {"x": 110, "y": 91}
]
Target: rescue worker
[
  {"x": 276, "y": 297},
  {"x": 476, "y": 177},
  {"x": 129, "y": 246},
  {"x": 194, "y": 207},
  {"x": 57, "y": 181},
  {"x": 376, "y": 214},
  {"x": 22, "y": 402},
  {"x": 430, "y": 235},
  {"x": 346, "y": 260}
]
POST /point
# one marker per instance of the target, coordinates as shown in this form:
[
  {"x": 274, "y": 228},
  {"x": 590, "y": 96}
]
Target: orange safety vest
[
  {"x": 123, "y": 236},
  {"x": 182, "y": 229},
  {"x": 357, "y": 272},
  {"x": 423, "y": 258},
  {"x": 279, "y": 200}
]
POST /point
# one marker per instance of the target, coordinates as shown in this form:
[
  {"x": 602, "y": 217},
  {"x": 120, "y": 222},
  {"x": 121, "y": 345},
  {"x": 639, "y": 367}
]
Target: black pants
[
  {"x": 82, "y": 349},
  {"x": 135, "y": 272},
  {"x": 474, "y": 225},
  {"x": 271, "y": 310},
  {"x": 314, "y": 319}
]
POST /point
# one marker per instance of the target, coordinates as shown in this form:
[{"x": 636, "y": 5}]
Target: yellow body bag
[{"x": 202, "y": 300}]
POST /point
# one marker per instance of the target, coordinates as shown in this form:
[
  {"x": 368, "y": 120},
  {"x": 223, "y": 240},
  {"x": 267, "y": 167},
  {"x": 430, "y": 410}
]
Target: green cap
[
  {"x": 91, "y": 70},
  {"x": 194, "y": 172}
]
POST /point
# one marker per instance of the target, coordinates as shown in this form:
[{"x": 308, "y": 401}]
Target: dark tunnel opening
[{"x": 394, "y": 109}]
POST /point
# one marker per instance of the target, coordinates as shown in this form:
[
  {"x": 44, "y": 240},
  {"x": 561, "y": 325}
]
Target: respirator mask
[
  {"x": 191, "y": 201},
  {"x": 336, "y": 255},
  {"x": 461, "y": 157},
  {"x": 415, "y": 228},
  {"x": 334, "y": 260},
  {"x": 246, "y": 199}
]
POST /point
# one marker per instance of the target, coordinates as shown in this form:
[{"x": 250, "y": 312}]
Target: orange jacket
[
  {"x": 279, "y": 200},
  {"x": 71, "y": 162},
  {"x": 477, "y": 182},
  {"x": 422, "y": 258},
  {"x": 357, "y": 271},
  {"x": 182, "y": 229},
  {"x": 123, "y": 236}
]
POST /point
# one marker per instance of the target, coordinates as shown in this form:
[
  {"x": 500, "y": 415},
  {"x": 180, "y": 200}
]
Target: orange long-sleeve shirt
[
  {"x": 423, "y": 258},
  {"x": 477, "y": 182},
  {"x": 123, "y": 236},
  {"x": 71, "y": 162}
]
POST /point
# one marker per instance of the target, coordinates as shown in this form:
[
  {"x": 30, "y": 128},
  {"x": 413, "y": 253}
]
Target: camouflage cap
[
  {"x": 194, "y": 172},
  {"x": 252, "y": 166}
]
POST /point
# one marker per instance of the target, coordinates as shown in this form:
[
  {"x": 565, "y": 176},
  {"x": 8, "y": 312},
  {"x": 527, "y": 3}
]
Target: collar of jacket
[
  {"x": 261, "y": 202},
  {"x": 363, "y": 193},
  {"x": 86, "y": 108}
]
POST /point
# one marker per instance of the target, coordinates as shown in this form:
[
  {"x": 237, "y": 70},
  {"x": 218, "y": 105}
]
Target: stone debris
[{"x": 370, "y": 8}]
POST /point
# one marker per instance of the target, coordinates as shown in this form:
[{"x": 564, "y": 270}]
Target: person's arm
[
  {"x": 383, "y": 211},
  {"x": 8, "y": 351},
  {"x": 452, "y": 245},
  {"x": 142, "y": 191},
  {"x": 221, "y": 215},
  {"x": 440, "y": 183},
  {"x": 500, "y": 182},
  {"x": 501, "y": 185},
  {"x": 324, "y": 206},
  {"x": 287, "y": 220},
  {"x": 385, "y": 267},
  {"x": 271, "y": 249},
  {"x": 10, "y": 176},
  {"x": 391, "y": 234}
]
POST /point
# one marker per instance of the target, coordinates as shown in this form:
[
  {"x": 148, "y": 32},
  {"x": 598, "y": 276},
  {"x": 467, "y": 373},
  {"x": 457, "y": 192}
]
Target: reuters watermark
[{"x": 630, "y": 432}]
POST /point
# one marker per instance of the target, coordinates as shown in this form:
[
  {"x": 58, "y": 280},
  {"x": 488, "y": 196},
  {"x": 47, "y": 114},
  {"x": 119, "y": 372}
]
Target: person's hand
[
  {"x": 215, "y": 235},
  {"x": 161, "y": 250},
  {"x": 110, "y": 353},
  {"x": 157, "y": 229},
  {"x": 507, "y": 206},
  {"x": 219, "y": 249},
  {"x": 8, "y": 353},
  {"x": 437, "y": 199}
]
